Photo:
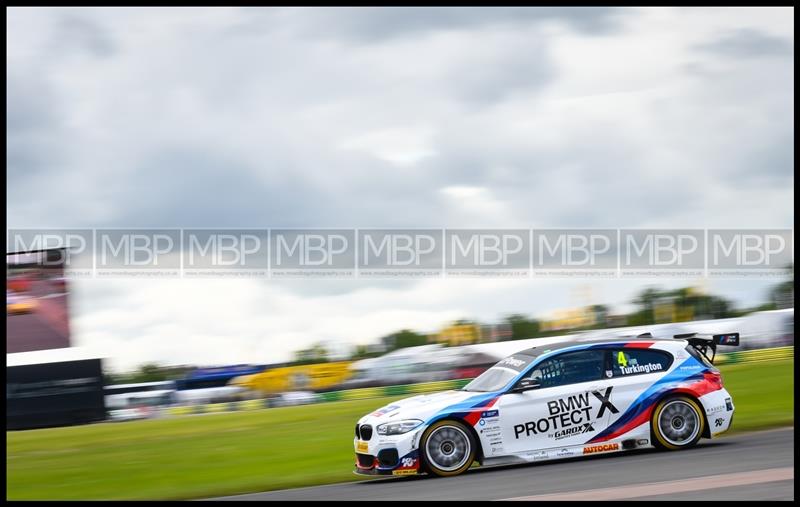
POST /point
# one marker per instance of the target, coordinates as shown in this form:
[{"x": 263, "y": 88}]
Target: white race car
[{"x": 556, "y": 401}]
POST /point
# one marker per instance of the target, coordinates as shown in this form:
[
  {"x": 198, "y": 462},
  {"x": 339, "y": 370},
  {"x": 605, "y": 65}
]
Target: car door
[
  {"x": 633, "y": 371},
  {"x": 568, "y": 407}
]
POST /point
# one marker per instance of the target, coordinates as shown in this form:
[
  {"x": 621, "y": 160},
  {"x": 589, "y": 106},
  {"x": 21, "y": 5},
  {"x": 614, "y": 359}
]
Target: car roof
[{"x": 594, "y": 338}]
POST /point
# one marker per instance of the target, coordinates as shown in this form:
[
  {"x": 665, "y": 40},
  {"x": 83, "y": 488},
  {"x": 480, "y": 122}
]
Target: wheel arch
[
  {"x": 691, "y": 395},
  {"x": 478, "y": 444},
  {"x": 479, "y": 456}
]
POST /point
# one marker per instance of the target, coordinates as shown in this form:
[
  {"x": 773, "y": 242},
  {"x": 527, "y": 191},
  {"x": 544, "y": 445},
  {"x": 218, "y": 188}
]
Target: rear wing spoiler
[{"x": 703, "y": 342}]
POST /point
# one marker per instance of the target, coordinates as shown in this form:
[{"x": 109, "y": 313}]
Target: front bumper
[
  {"x": 384, "y": 472},
  {"x": 388, "y": 455}
]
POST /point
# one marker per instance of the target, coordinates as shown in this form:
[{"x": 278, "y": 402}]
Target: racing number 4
[{"x": 621, "y": 359}]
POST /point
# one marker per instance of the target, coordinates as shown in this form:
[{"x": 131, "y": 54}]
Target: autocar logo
[{"x": 600, "y": 448}]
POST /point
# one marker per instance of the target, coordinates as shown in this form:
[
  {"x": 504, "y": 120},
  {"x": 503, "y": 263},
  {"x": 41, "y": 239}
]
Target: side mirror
[{"x": 526, "y": 384}]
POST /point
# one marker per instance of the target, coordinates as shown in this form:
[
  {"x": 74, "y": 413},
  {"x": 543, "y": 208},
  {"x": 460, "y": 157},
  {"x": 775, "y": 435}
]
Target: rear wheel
[
  {"x": 447, "y": 448},
  {"x": 677, "y": 423}
]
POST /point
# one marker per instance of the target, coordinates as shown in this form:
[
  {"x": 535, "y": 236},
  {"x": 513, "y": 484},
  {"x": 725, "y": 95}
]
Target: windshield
[{"x": 499, "y": 375}]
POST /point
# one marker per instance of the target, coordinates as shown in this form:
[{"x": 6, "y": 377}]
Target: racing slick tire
[
  {"x": 677, "y": 422},
  {"x": 447, "y": 448}
]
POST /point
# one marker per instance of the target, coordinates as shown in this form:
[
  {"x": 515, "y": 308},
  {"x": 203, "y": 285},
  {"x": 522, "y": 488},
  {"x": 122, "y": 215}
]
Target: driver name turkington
[{"x": 640, "y": 368}]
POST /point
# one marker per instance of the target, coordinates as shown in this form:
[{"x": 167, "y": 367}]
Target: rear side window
[{"x": 629, "y": 362}]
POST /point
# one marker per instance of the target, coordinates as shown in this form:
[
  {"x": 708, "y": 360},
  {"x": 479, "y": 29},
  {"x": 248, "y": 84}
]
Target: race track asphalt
[{"x": 747, "y": 466}]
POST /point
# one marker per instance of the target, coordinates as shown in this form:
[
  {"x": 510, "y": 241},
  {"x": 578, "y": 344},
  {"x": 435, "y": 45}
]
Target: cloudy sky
[{"x": 423, "y": 117}]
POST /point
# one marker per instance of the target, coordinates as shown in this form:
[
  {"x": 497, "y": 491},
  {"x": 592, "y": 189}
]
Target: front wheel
[
  {"x": 677, "y": 423},
  {"x": 447, "y": 448}
]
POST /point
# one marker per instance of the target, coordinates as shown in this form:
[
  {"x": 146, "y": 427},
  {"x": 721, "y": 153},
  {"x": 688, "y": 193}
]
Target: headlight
[{"x": 398, "y": 427}]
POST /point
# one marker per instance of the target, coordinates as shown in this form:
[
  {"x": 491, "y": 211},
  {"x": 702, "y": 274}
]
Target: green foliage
[
  {"x": 522, "y": 327},
  {"x": 149, "y": 372},
  {"x": 405, "y": 338},
  {"x": 317, "y": 353}
]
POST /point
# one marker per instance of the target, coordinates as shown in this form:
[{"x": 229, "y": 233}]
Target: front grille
[
  {"x": 365, "y": 460},
  {"x": 388, "y": 457},
  {"x": 366, "y": 432}
]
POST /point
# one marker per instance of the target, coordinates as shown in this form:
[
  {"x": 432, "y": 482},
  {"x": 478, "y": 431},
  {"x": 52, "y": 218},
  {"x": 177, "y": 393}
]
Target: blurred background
[{"x": 461, "y": 350}]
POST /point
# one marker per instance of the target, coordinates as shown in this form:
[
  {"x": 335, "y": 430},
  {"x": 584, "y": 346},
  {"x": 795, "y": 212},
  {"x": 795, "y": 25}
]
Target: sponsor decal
[
  {"x": 514, "y": 363},
  {"x": 609, "y": 373},
  {"x": 563, "y": 453},
  {"x": 408, "y": 462},
  {"x": 567, "y": 416},
  {"x": 600, "y": 448},
  {"x": 408, "y": 465},
  {"x": 384, "y": 410},
  {"x": 718, "y": 422},
  {"x": 407, "y": 471},
  {"x": 642, "y": 441},
  {"x": 728, "y": 404},
  {"x": 362, "y": 447},
  {"x": 605, "y": 399},
  {"x": 482, "y": 422},
  {"x": 714, "y": 410},
  {"x": 536, "y": 455},
  {"x": 564, "y": 413},
  {"x": 490, "y": 413},
  {"x": 640, "y": 368},
  {"x": 575, "y": 430}
]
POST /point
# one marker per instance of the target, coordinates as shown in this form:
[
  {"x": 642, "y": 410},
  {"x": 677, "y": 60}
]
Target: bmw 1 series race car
[{"x": 556, "y": 401}]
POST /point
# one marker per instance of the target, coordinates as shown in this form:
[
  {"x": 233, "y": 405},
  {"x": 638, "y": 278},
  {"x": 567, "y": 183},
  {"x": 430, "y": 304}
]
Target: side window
[
  {"x": 569, "y": 368},
  {"x": 627, "y": 362}
]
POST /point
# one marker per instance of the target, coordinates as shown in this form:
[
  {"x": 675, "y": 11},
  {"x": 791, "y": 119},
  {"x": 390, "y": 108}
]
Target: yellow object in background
[
  {"x": 459, "y": 334},
  {"x": 306, "y": 377}
]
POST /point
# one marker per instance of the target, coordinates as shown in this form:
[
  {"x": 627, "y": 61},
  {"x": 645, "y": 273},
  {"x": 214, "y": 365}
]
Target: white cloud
[
  {"x": 545, "y": 117},
  {"x": 401, "y": 145}
]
